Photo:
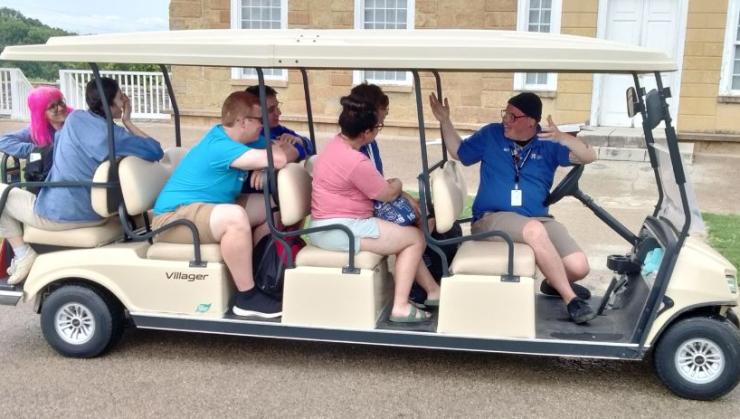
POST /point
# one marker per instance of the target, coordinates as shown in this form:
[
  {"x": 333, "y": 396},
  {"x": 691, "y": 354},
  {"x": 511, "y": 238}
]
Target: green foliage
[
  {"x": 16, "y": 29},
  {"x": 724, "y": 235}
]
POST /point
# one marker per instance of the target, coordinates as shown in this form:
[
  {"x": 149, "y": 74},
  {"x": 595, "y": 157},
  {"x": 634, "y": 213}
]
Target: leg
[
  {"x": 407, "y": 243},
  {"x": 574, "y": 259},
  {"x": 547, "y": 258},
  {"x": 230, "y": 226}
]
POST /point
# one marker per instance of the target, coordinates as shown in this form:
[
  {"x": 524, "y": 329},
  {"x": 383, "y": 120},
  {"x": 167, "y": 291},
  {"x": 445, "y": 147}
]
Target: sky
[{"x": 96, "y": 16}]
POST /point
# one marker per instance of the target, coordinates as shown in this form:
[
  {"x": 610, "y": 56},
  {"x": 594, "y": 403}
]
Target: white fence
[
  {"x": 146, "y": 90},
  {"x": 14, "y": 89}
]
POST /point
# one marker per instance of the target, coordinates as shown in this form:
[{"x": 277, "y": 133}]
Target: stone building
[{"x": 702, "y": 35}]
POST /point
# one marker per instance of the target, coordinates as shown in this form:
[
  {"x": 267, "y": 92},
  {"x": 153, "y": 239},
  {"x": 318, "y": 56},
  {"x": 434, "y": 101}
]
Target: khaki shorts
[
  {"x": 199, "y": 213},
  {"x": 513, "y": 224}
]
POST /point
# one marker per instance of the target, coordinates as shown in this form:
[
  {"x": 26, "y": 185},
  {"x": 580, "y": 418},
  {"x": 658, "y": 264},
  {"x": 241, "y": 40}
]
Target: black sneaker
[
  {"x": 581, "y": 291},
  {"x": 256, "y": 303},
  {"x": 580, "y": 311}
]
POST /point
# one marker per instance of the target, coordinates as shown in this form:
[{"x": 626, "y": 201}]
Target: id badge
[
  {"x": 34, "y": 157},
  {"x": 516, "y": 197}
]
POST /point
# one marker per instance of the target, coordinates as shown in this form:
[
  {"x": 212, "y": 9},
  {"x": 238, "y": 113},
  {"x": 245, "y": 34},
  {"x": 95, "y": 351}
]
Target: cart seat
[
  {"x": 294, "y": 188},
  {"x": 85, "y": 237},
  {"x": 473, "y": 257},
  {"x": 141, "y": 182}
]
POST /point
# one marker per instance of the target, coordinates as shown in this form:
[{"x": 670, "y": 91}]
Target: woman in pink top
[{"x": 345, "y": 183}]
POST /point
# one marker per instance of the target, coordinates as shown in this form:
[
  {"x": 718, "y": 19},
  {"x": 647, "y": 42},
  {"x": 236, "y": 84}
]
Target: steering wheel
[{"x": 566, "y": 187}]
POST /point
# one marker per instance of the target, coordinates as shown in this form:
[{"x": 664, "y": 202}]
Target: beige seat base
[
  {"x": 476, "y": 305},
  {"x": 179, "y": 251},
  {"x": 85, "y": 237},
  {"x": 325, "y": 297},
  {"x": 314, "y": 256},
  {"x": 491, "y": 258}
]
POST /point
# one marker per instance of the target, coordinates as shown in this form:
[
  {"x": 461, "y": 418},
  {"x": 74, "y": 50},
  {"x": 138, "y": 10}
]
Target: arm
[
  {"x": 580, "y": 152},
  {"x": 391, "y": 192},
  {"x": 254, "y": 159},
  {"x": 17, "y": 144},
  {"x": 126, "y": 119},
  {"x": 442, "y": 112}
]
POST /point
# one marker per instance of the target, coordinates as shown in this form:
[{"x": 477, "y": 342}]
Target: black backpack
[
  {"x": 268, "y": 263},
  {"x": 38, "y": 170}
]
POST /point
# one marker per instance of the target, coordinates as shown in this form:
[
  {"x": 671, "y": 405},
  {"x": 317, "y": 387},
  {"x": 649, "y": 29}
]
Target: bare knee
[
  {"x": 534, "y": 233},
  {"x": 577, "y": 266},
  {"x": 229, "y": 219}
]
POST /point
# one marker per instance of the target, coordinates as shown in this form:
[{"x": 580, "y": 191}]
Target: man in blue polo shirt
[{"x": 518, "y": 162}]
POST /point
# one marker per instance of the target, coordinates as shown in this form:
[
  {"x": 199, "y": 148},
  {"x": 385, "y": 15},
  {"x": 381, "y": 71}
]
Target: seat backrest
[
  {"x": 448, "y": 195},
  {"x": 294, "y": 193},
  {"x": 99, "y": 196},
  {"x": 141, "y": 180}
]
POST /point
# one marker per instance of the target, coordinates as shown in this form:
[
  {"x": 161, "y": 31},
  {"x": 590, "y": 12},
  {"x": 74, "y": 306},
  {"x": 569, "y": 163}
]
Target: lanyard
[{"x": 518, "y": 166}]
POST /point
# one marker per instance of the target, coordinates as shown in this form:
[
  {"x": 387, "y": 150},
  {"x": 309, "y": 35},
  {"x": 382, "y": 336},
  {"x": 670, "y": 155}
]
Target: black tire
[
  {"x": 732, "y": 317},
  {"x": 706, "y": 337},
  {"x": 101, "y": 313}
]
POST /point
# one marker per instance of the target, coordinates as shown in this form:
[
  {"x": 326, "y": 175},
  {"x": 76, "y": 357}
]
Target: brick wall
[{"x": 700, "y": 107}]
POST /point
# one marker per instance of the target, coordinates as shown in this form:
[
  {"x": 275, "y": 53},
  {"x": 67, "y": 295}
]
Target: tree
[{"x": 16, "y": 29}]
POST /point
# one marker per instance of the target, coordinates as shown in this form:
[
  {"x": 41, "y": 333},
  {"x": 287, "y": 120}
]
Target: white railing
[
  {"x": 14, "y": 90},
  {"x": 146, "y": 90}
]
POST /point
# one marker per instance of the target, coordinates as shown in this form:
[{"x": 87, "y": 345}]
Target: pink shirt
[{"x": 344, "y": 183}]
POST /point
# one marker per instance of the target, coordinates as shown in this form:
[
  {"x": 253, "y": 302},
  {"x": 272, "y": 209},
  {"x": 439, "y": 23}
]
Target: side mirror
[
  {"x": 633, "y": 103},
  {"x": 655, "y": 109}
]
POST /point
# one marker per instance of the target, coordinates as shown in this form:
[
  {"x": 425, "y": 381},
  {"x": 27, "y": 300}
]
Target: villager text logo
[{"x": 184, "y": 276}]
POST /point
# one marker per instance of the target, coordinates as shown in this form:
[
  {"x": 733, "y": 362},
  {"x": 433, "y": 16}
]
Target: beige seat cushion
[
  {"x": 84, "y": 237},
  {"x": 314, "y": 256},
  {"x": 294, "y": 189},
  {"x": 491, "y": 258},
  {"x": 448, "y": 195},
  {"x": 179, "y": 251}
]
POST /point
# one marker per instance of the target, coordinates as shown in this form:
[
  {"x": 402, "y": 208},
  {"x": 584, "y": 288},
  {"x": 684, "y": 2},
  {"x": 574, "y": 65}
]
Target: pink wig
[{"x": 38, "y": 101}]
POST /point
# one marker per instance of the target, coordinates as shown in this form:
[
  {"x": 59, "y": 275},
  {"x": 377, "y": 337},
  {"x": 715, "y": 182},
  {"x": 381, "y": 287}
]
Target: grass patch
[{"x": 724, "y": 235}]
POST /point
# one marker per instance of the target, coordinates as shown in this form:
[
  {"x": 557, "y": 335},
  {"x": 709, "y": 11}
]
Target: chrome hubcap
[
  {"x": 699, "y": 361},
  {"x": 74, "y": 323}
]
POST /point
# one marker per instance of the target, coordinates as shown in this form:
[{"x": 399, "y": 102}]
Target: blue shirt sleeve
[
  {"x": 472, "y": 149},
  {"x": 128, "y": 144},
  {"x": 562, "y": 155},
  {"x": 18, "y": 143},
  {"x": 280, "y": 130}
]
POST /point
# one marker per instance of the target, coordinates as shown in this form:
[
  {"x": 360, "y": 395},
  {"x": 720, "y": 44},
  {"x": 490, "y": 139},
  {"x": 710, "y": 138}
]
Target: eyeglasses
[
  {"x": 379, "y": 126},
  {"x": 508, "y": 116},
  {"x": 274, "y": 108},
  {"x": 56, "y": 104},
  {"x": 254, "y": 118}
]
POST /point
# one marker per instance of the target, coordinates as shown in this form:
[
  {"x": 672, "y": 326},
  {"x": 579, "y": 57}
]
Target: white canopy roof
[{"x": 424, "y": 49}]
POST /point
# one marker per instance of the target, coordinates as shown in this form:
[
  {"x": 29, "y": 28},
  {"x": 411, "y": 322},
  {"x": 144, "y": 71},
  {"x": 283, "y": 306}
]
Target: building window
[
  {"x": 259, "y": 14},
  {"x": 384, "y": 14},
  {"x": 729, "y": 84},
  {"x": 538, "y": 16}
]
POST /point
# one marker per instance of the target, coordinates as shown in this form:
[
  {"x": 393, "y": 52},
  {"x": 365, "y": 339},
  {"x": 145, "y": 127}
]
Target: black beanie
[{"x": 529, "y": 103}]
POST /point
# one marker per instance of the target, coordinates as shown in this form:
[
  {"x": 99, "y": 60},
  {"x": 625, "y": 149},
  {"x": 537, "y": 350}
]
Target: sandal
[
  {"x": 412, "y": 317},
  {"x": 434, "y": 302}
]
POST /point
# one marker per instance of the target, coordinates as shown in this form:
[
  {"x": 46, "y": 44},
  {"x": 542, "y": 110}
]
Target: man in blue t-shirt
[
  {"x": 303, "y": 145},
  {"x": 518, "y": 162},
  {"x": 205, "y": 188}
]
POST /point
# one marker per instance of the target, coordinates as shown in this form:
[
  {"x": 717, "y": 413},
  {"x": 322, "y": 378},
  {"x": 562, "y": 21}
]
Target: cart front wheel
[
  {"x": 699, "y": 358},
  {"x": 81, "y": 322}
]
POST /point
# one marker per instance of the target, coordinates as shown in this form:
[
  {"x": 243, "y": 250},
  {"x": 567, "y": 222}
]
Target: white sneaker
[{"x": 22, "y": 267}]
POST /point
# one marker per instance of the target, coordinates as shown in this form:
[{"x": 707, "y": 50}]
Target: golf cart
[{"x": 672, "y": 295}]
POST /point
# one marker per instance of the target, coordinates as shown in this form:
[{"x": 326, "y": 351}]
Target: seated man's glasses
[{"x": 508, "y": 116}]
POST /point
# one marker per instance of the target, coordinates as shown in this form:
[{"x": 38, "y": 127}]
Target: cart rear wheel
[
  {"x": 699, "y": 358},
  {"x": 81, "y": 322}
]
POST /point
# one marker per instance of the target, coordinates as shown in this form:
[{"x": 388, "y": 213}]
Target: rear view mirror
[
  {"x": 633, "y": 103},
  {"x": 655, "y": 109}
]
